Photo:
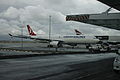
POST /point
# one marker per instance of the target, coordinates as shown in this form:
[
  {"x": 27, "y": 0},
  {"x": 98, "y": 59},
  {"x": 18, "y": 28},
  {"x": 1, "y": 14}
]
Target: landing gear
[
  {"x": 60, "y": 44},
  {"x": 87, "y": 46}
]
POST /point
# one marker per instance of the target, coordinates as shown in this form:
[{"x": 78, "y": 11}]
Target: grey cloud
[{"x": 16, "y": 13}]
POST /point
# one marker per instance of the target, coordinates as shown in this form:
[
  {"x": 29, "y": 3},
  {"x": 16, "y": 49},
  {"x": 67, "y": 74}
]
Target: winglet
[
  {"x": 108, "y": 10},
  {"x": 10, "y": 35},
  {"x": 77, "y": 32},
  {"x": 31, "y": 32}
]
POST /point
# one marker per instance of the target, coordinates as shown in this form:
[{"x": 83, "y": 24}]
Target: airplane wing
[{"x": 112, "y": 3}]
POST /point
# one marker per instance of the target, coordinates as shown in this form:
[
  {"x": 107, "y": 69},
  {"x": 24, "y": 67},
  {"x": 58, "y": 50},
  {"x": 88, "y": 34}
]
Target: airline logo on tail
[
  {"x": 31, "y": 32},
  {"x": 78, "y": 32}
]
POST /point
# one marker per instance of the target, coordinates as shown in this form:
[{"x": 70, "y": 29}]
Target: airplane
[
  {"x": 104, "y": 19},
  {"x": 108, "y": 39},
  {"x": 58, "y": 41}
]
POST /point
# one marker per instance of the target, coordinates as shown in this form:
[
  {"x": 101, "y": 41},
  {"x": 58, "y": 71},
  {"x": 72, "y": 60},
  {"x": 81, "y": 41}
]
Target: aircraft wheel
[{"x": 50, "y": 46}]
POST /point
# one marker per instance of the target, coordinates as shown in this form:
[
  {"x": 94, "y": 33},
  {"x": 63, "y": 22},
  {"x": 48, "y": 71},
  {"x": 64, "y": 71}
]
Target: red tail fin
[
  {"x": 31, "y": 32},
  {"x": 77, "y": 32}
]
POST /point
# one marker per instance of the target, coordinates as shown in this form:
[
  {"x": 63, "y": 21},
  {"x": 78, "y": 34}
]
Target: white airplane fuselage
[
  {"x": 80, "y": 39},
  {"x": 73, "y": 39}
]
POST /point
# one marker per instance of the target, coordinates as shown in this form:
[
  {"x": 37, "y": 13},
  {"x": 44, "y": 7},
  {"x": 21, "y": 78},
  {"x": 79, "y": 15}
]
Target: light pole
[
  {"x": 49, "y": 27},
  {"x": 49, "y": 31},
  {"x": 22, "y": 36}
]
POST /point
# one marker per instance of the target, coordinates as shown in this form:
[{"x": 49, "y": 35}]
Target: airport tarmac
[
  {"x": 82, "y": 66},
  {"x": 59, "y": 67},
  {"x": 30, "y": 44},
  {"x": 20, "y": 44},
  {"x": 31, "y": 48}
]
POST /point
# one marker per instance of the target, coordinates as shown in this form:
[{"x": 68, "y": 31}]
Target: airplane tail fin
[
  {"x": 78, "y": 32},
  {"x": 31, "y": 32}
]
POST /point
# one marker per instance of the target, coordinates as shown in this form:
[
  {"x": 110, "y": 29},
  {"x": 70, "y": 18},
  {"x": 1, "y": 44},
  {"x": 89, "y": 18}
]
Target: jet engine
[{"x": 55, "y": 44}]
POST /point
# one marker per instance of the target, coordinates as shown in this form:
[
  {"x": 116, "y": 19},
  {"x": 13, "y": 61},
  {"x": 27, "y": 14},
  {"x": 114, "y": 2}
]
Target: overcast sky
[{"x": 17, "y": 13}]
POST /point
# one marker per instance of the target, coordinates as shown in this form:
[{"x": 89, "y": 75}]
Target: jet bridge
[
  {"x": 109, "y": 20},
  {"x": 105, "y": 19}
]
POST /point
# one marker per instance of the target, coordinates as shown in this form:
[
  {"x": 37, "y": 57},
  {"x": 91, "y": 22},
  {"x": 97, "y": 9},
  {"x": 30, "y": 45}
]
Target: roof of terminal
[{"x": 112, "y": 3}]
